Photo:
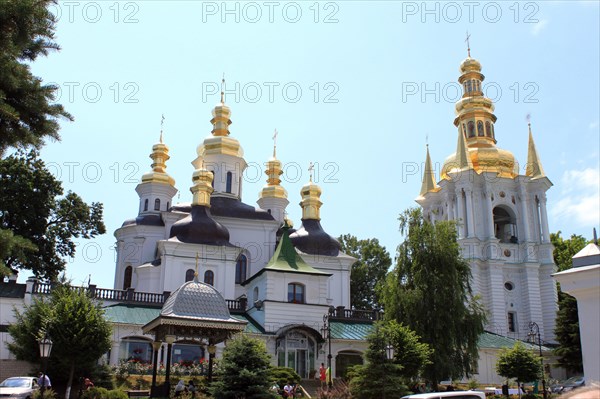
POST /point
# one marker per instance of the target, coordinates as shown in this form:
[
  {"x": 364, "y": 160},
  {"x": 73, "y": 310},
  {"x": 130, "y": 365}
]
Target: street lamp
[
  {"x": 327, "y": 330},
  {"x": 45, "y": 349},
  {"x": 534, "y": 330}
]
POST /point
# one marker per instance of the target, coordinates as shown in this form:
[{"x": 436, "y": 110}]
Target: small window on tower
[
  {"x": 241, "y": 267},
  {"x": 488, "y": 129},
  {"x": 189, "y": 275},
  {"x": 157, "y": 204},
  {"x": 146, "y": 205},
  {"x": 127, "y": 277},
  {"x": 209, "y": 277},
  {"x": 469, "y": 86},
  {"x": 229, "y": 182},
  {"x": 471, "y": 126},
  {"x": 480, "y": 128},
  {"x": 512, "y": 322}
]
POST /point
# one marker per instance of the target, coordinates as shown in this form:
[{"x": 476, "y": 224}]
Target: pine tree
[
  {"x": 245, "y": 371},
  {"x": 429, "y": 291}
]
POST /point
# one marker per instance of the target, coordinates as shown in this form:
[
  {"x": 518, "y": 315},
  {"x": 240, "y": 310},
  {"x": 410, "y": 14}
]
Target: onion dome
[
  {"x": 199, "y": 227},
  {"x": 196, "y": 300},
  {"x": 273, "y": 188},
  {"x": 475, "y": 121},
  {"x": 311, "y": 239},
  {"x": 159, "y": 156}
]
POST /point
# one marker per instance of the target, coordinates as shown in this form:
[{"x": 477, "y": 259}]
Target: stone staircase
[{"x": 310, "y": 386}]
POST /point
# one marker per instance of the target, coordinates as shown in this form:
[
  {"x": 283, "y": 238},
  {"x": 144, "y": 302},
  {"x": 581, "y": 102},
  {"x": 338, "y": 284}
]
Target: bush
[
  {"x": 116, "y": 394},
  {"x": 102, "y": 376},
  {"x": 49, "y": 393},
  {"x": 95, "y": 393},
  {"x": 283, "y": 375}
]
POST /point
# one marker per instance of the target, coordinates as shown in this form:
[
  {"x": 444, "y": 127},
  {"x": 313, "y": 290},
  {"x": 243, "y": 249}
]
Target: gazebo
[{"x": 195, "y": 311}]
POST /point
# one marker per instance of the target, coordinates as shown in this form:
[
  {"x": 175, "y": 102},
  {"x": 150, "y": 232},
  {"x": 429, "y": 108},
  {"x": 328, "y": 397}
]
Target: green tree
[
  {"x": 567, "y": 320},
  {"x": 409, "y": 352},
  {"x": 27, "y": 116},
  {"x": 368, "y": 273},
  {"x": 31, "y": 207},
  {"x": 13, "y": 247},
  {"x": 429, "y": 291},
  {"x": 379, "y": 377},
  {"x": 245, "y": 371},
  {"x": 518, "y": 363},
  {"x": 73, "y": 321}
]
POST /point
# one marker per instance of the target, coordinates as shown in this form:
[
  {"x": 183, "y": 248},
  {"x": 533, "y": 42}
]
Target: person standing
[
  {"x": 323, "y": 375},
  {"x": 44, "y": 383}
]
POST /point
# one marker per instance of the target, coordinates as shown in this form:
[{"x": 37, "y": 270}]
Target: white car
[
  {"x": 18, "y": 388},
  {"x": 451, "y": 394}
]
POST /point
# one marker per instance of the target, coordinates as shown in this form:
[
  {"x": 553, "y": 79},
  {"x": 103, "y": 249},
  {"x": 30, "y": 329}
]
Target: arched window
[
  {"x": 168, "y": 205},
  {"x": 493, "y": 132},
  {"x": 505, "y": 225},
  {"x": 469, "y": 86},
  {"x": 209, "y": 277},
  {"x": 255, "y": 294},
  {"x": 189, "y": 275},
  {"x": 212, "y": 183},
  {"x": 471, "y": 126},
  {"x": 241, "y": 269},
  {"x": 157, "y": 204},
  {"x": 127, "y": 277},
  {"x": 295, "y": 293},
  {"x": 228, "y": 183},
  {"x": 488, "y": 129},
  {"x": 480, "y": 129},
  {"x": 146, "y": 205}
]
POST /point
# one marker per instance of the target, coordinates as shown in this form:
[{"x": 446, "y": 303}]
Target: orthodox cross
[
  {"x": 162, "y": 122},
  {"x": 196, "y": 273},
  {"x": 468, "y": 46},
  {"x": 223, "y": 89},
  {"x": 311, "y": 167},
  {"x": 275, "y": 142}
]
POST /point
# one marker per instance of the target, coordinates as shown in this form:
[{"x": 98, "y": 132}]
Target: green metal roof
[
  {"x": 252, "y": 327},
  {"x": 127, "y": 314},
  {"x": 349, "y": 330},
  {"x": 489, "y": 340},
  {"x": 286, "y": 259}
]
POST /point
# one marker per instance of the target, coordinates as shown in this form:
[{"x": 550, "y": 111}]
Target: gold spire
[
  {"x": 534, "y": 165},
  {"x": 159, "y": 156},
  {"x": 428, "y": 176},
  {"x": 463, "y": 158},
  {"x": 221, "y": 114},
  {"x": 311, "y": 194},
  {"x": 273, "y": 188},
  {"x": 202, "y": 188}
]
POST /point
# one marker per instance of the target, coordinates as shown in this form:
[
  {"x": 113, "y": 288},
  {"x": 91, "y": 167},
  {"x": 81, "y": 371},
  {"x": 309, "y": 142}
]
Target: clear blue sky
[{"x": 354, "y": 86}]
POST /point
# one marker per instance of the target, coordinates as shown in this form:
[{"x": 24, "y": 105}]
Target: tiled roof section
[
  {"x": 252, "y": 327},
  {"x": 286, "y": 259},
  {"x": 12, "y": 290},
  {"x": 348, "y": 330},
  {"x": 196, "y": 300},
  {"x": 124, "y": 314},
  {"x": 489, "y": 340}
]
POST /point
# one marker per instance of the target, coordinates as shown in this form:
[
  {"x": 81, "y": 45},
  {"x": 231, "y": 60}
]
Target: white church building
[{"x": 290, "y": 284}]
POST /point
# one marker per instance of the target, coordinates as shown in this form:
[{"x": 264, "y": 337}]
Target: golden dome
[
  {"x": 485, "y": 159},
  {"x": 273, "y": 188},
  {"x": 311, "y": 203},
  {"x": 159, "y": 156},
  {"x": 470, "y": 65}
]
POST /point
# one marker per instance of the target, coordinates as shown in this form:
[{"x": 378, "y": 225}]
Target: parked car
[
  {"x": 18, "y": 388},
  {"x": 450, "y": 395},
  {"x": 570, "y": 384}
]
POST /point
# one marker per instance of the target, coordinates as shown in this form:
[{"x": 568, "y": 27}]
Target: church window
[
  {"x": 480, "y": 128},
  {"x": 488, "y": 129},
  {"x": 229, "y": 182},
  {"x": 241, "y": 267},
  {"x": 189, "y": 275},
  {"x": 157, "y": 204},
  {"x": 295, "y": 293},
  {"x": 209, "y": 277},
  {"x": 212, "y": 183},
  {"x": 512, "y": 322},
  {"x": 471, "y": 126},
  {"x": 493, "y": 132},
  {"x": 509, "y": 286},
  {"x": 269, "y": 211},
  {"x": 469, "y": 86},
  {"x": 168, "y": 205},
  {"x": 127, "y": 277},
  {"x": 255, "y": 294},
  {"x": 505, "y": 225},
  {"x": 146, "y": 205}
]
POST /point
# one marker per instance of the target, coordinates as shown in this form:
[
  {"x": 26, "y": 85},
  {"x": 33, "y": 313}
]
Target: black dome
[
  {"x": 200, "y": 228},
  {"x": 312, "y": 239}
]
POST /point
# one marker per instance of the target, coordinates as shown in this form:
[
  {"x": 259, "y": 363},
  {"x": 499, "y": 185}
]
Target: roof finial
[
  {"x": 311, "y": 167},
  {"x": 223, "y": 89},
  {"x": 468, "y": 45},
  {"x": 427, "y": 140},
  {"x": 528, "y": 118},
  {"x": 196, "y": 272},
  {"x": 162, "y": 122},
  {"x": 275, "y": 143}
]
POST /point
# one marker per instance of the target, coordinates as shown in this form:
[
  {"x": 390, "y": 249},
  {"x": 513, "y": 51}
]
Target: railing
[
  {"x": 130, "y": 295},
  {"x": 354, "y": 314}
]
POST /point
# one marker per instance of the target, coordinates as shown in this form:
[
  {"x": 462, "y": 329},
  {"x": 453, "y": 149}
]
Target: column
[
  {"x": 469, "y": 214},
  {"x": 114, "y": 353},
  {"x": 524, "y": 216},
  {"x": 544, "y": 221},
  {"x": 461, "y": 214},
  {"x": 490, "y": 206}
]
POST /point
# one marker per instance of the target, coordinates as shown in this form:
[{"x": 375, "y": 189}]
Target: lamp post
[
  {"x": 327, "y": 330},
  {"x": 534, "y": 330},
  {"x": 45, "y": 349}
]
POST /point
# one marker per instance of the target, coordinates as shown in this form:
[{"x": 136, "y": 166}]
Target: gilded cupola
[
  {"x": 273, "y": 188},
  {"x": 475, "y": 122},
  {"x": 159, "y": 156}
]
